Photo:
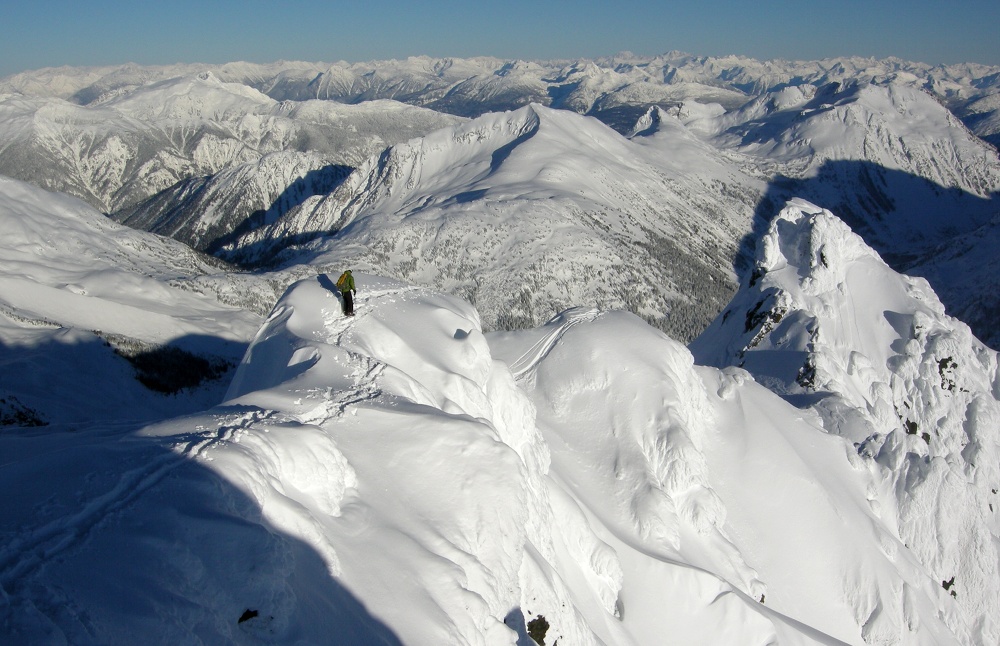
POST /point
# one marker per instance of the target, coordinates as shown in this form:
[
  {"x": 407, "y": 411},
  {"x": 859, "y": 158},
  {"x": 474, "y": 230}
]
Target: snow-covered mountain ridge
[
  {"x": 529, "y": 212},
  {"x": 82, "y": 298},
  {"x": 820, "y": 467},
  {"x": 193, "y": 120},
  {"x": 121, "y": 151},
  {"x": 869, "y": 139},
  {"x": 824, "y": 322},
  {"x": 400, "y": 477},
  {"x": 903, "y": 170}
]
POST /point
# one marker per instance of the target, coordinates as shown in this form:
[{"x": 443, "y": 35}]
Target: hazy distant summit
[
  {"x": 616, "y": 89},
  {"x": 249, "y": 161}
]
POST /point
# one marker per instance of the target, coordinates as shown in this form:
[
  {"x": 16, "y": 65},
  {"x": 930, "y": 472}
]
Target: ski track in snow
[
  {"x": 337, "y": 326},
  {"x": 20, "y": 558},
  {"x": 534, "y": 355},
  {"x": 335, "y": 403}
]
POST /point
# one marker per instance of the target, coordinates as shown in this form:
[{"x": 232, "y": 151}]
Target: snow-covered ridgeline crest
[
  {"x": 472, "y": 86},
  {"x": 400, "y": 477},
  {"x": 408, "y": 393},
  {"x": 529, "y": 212},
  {"x": 385, "y": 181},
  {"x": 119, "y": 152},
  {"x": 824, "y": 322}
]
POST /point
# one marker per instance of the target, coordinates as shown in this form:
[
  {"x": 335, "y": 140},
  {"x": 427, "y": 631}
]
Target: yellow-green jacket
[{"x": 346, "y": 282}]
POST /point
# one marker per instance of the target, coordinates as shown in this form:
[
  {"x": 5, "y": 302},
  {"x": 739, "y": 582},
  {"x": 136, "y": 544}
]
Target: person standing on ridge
[{"x": 346, "y": 286}]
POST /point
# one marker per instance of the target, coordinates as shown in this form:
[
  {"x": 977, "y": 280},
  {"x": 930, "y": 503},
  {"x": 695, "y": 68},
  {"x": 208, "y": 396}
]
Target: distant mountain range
[
  {"x": 503, "y": 446},
  {"x": 616, "y": 89},
  {"x": 120, "y": 151},
  {"x": 252, "y": 162}
]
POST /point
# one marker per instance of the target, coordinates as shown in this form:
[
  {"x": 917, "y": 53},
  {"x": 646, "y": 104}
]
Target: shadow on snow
[{"x": 114, "y": 532}]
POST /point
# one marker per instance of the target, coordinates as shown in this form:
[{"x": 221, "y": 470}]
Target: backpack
[{"x": 342, "y": 280}]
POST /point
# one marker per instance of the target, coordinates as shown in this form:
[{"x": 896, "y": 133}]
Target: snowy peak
[
  {"x": 451, "y": 165},
  {"x": 823, "y": 317},
  {"x": 202, "y": 96},
  {"x": 812, "y": 243},
  {"x": 436, "y": 166},
  {"x": 895, "y": 126},
  {"x": 466, "y": 208},
  {"x": 461, "y": 155},
  {"x": 826, "y": 324},
  {"x": 814, "y": 284}
]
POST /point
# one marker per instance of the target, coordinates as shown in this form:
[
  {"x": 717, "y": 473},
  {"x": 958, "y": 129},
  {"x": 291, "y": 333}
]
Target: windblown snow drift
[{"x": 400, "y": 477}]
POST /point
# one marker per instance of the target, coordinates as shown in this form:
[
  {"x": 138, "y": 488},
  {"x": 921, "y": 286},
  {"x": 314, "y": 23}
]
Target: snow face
[
  {"x": 400, "y": 477},
  {"x": 826, "y": 323},
  {"x": 79, "y": 293},
  {"x": 117, "y": 153},
  {"x": 876, "y": 141},
  {"x": 529, "y": 212}
]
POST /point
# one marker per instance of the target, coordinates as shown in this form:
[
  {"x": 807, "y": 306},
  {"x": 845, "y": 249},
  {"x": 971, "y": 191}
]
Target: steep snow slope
[
  {"x": 897, "y": 166},
  {"x": 72, "y": 282},
  {"x": 385, "y": 479},
  {"x": 824, "y": 322},
  {"x": 121, "y": 151},
  {"x": 529, "y": 212},
  {"x": 205, "y": 211},
  {"x": 902, "y": 167},
  {"x": 710, "y": 471}
]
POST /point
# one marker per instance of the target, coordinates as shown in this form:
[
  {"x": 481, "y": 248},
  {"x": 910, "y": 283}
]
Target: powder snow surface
[
  {"x": 400, "y": 477},
  {"x": 71, "y": 279}
]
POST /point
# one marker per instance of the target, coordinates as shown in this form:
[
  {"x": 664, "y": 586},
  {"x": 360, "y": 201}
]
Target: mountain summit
[
  {"x": 400, "y": 477},
  {"x": 872, "y": 354},
  {"x": 528, "y": 212},
  {"x": 510, "y": 443}
]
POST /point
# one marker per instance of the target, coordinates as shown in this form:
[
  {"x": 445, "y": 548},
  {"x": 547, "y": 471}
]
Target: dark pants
[{"x": 348, "y": 302}]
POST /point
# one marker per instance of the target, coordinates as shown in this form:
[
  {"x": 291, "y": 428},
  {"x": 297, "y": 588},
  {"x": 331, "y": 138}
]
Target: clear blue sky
[{"x": 44, "y": 33}]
